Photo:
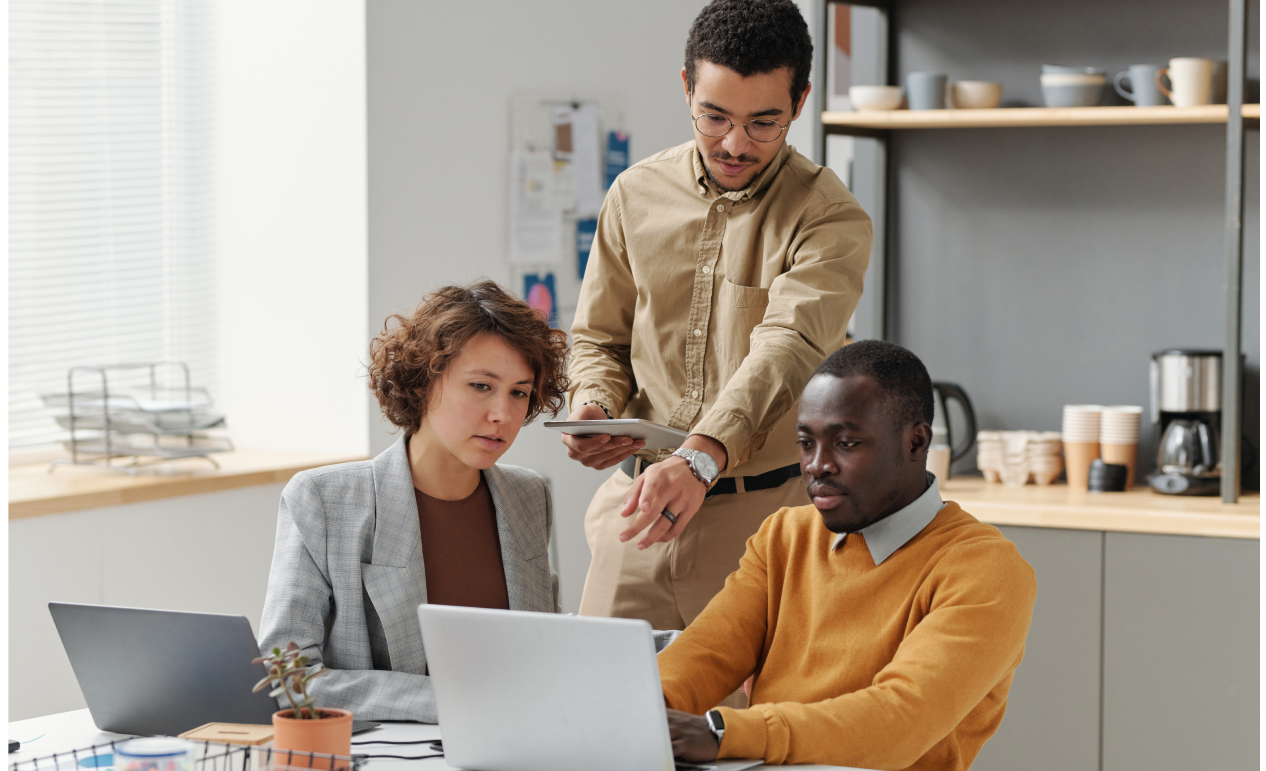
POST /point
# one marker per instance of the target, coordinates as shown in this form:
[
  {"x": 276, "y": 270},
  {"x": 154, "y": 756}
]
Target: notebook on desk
[{"x": 522, "y": 691}]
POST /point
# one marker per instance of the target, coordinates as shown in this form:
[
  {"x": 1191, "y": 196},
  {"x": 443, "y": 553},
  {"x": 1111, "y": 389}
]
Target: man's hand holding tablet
[
  {"x": 666, "y": 486},
  {"x": 598, "y": 451}
]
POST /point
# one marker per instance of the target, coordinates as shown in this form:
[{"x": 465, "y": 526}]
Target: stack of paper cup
[
  {"x": 1119, "y": 437},
  {"x": 1081, "y": 442}
]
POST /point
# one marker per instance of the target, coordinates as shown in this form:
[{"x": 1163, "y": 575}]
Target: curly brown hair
[{"x": 407, "y": 360}]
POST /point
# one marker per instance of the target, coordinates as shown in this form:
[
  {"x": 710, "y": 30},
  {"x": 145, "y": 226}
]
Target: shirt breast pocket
[{"x": 738, "y": 310}]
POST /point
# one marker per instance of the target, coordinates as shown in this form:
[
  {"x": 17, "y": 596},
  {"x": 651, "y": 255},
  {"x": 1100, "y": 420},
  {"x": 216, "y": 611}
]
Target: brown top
[
  {"x": 708, "y": 311},
  {"x": 462, "y": 551}
]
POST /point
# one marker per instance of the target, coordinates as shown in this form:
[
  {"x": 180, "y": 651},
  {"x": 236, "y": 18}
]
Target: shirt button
[
  {"x": 720, "y": 207},
  {"x": 707, "y": 269},
  {"x": 698, "y": 332},
  {"x": 694, "y": 394}
]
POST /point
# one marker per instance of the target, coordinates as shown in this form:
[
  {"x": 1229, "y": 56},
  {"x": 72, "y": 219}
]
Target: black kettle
[{"x": 942, "y": 394}]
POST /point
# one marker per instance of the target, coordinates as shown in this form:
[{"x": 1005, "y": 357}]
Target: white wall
[
  {"x": 441, "y": 76},
  {"x": 292, "y": 223},
  {"x": 440, "y": 80},
  {"x": 291, "y": 240},
  {"x": 208, "y": 553}
]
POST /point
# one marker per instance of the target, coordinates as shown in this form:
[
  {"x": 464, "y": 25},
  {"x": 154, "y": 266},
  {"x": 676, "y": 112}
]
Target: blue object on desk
[{"x": 98, "y": 761}]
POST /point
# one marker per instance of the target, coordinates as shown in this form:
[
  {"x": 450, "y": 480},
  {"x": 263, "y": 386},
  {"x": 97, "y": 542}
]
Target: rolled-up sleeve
[
  {"x": 806, "y": 320},
  {"x": 601, "y": 369}
]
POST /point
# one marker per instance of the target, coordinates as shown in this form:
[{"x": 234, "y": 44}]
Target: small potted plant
[{"x": 303, "y": 727}]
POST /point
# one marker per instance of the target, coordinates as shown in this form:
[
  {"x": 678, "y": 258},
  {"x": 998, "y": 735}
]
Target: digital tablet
[{"x": 656, "y": 436}]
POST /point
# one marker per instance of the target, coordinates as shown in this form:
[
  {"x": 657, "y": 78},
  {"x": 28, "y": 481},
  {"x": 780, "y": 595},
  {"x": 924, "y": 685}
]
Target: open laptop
[
  {"x": 522, "y": 691},
  {"x": 164, "y": 672}
]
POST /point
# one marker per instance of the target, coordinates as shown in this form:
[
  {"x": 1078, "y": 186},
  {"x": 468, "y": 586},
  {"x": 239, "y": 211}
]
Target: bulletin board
[{"x": 565, "y": 150}]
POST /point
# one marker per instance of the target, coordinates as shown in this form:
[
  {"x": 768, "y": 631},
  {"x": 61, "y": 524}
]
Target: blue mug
[{"x": 1144, "y": 91}]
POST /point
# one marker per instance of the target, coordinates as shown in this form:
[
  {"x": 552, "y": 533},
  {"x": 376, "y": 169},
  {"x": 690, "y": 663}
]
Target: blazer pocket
[{"x": 531, "y": 587}]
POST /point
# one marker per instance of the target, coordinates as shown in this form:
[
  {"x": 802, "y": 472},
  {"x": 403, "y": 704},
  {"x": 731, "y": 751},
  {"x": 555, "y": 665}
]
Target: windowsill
[{"x": 34, "y": 490}]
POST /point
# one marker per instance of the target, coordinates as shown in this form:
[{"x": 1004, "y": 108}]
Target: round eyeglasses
[{"x": 761, "y": 130}]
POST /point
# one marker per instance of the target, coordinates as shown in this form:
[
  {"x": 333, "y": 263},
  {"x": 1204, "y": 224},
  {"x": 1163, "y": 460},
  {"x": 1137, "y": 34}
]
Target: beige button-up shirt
[{"x": 708, "y": 311}]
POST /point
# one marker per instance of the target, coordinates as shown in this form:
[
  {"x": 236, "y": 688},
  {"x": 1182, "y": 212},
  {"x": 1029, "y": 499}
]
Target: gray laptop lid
[
  {"x": 162, "y": 672},
  {"x": 520, "y": 691}
]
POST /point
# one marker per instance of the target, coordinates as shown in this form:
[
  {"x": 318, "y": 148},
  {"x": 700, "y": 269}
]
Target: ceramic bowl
[
  {"x": 1060, "y": 69},
  {"x": 976, "y": 95},
  {"x": 875, "y": 97},
  {"x": 1088, "y": 95},
  {"x": 1074, "y": 79}
]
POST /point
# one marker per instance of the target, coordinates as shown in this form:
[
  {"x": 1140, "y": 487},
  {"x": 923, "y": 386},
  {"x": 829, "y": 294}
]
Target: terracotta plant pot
[{"x": 330, "y": 735}]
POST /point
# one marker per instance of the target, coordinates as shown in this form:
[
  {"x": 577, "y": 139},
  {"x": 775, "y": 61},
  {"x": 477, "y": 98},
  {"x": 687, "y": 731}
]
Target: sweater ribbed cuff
[{"x": 744, "y": 733}]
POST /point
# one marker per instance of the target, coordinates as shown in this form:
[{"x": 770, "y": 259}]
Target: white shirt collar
[{"x": 884, "y": 537}]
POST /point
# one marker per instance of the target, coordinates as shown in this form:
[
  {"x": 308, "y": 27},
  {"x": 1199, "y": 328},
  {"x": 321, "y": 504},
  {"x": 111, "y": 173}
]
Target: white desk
[{"x": 66, "y": 731}]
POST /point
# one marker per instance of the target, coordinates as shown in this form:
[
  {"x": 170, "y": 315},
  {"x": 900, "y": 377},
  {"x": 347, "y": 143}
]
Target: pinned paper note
[
  {"x": 617, "y": 159},
  {"x": 536, "y": 224},
  {"x": 538, "y": 291}
]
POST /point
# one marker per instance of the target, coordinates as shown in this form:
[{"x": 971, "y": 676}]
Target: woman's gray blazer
[{"x": 347, "y": 578}]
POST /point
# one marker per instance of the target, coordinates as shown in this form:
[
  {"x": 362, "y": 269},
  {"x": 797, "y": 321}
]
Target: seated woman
[{"x": 431, "y": 519}]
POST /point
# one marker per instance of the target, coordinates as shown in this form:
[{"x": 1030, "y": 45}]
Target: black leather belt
[{"x": 725, "y": 486}]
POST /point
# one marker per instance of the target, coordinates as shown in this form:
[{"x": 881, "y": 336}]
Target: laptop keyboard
[{"x": 680, "y": 766}]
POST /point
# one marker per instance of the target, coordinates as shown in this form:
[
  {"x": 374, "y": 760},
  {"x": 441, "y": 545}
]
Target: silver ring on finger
[{"x": 671, "y": 517}]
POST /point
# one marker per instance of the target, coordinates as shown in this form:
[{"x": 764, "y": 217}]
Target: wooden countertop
[
  {"x": 1138, "y": 511},
  {"x": 33, "y": 490}
]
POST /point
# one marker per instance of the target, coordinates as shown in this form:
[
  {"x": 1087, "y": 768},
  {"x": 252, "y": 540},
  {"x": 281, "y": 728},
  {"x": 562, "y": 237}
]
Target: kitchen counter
[
  {"x": 34, "y": 490},
  {"x": 1138, "y": 511}
]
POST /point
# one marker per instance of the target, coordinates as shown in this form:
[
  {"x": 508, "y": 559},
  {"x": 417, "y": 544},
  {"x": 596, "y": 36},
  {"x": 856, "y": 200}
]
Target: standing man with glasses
[{"x": 722, "y": 272}]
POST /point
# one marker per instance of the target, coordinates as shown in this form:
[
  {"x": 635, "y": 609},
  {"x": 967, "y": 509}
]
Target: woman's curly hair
[{"x": 407, "y": 359}]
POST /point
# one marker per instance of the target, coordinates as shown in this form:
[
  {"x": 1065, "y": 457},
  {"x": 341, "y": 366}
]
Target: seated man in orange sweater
[{"x": 884, "y": 626}]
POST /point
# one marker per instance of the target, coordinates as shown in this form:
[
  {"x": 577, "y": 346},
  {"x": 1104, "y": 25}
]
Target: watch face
[{"x": 706, "y": 465}]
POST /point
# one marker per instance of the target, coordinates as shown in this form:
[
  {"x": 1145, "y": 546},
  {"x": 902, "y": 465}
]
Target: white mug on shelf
[{"x": 1192, "y": 81}]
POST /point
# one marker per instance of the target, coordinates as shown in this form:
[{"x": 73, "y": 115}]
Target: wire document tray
[
  {"x": 148, "y": 413},
  {"x": 207, "y": 756}
]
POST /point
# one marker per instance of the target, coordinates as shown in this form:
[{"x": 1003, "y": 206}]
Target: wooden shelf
[
  {"x": 1010, "y": 117},
  {"x": 34, "y": 491},
  {"x": 1136, "y": 511}
]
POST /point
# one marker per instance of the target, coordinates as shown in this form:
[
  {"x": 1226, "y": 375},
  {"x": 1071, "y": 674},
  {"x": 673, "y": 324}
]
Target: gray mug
[
  {"x": 926, "y": 90},
  {"x": 1144, "y": 91}
]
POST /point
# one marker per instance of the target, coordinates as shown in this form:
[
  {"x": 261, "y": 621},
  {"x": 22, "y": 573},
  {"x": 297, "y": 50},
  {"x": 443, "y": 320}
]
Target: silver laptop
[
  {"x": 162, "y": 672},
  {"x": 524, "y": 691}
]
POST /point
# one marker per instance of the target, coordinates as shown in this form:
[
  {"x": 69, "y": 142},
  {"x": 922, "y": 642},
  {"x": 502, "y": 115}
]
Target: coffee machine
[{"x": 1186, "y": 415}]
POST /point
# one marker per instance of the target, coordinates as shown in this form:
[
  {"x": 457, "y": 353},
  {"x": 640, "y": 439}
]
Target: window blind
[{"x": 111, "y": 220}]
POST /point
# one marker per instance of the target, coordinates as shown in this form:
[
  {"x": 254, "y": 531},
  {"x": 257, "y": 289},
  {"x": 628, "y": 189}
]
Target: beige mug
[
  {"x": 939, "y": 461},
  {"x": 1192, "y": 81}
]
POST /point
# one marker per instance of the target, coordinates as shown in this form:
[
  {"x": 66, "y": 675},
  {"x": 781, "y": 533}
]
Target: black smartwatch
[{"x": 716, "y": 724}]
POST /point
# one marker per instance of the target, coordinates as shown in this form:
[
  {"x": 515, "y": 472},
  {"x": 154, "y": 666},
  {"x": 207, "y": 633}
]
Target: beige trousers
[{"x": 669, "y": 584}]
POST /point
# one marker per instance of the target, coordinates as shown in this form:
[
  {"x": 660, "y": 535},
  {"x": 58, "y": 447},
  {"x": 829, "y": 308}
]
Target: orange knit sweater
[{"x": 904, "y": 665}]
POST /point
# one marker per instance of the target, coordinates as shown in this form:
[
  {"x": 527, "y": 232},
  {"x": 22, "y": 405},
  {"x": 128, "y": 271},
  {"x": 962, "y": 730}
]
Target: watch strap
[
  {"x": 716, "y": 724},
  {"x": 602, "y": 407},
  {"x": 688, "y": 455}
]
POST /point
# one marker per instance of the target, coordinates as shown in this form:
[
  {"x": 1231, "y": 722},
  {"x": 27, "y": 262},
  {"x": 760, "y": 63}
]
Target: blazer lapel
[
  {"x": 395, "y": 579},
  {"x": 524, "y": 545}
]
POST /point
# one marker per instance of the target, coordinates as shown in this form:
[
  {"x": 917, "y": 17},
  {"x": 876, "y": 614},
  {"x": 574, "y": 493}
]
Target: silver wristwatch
[
  {"x": 716, "y": 724},
  {"x": 701, "y": 464}
]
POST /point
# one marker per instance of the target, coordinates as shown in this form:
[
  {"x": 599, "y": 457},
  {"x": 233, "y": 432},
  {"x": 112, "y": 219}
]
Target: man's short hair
[
  {"x": 901, "y": 376},
  {"x": 752, "y": 37}
]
